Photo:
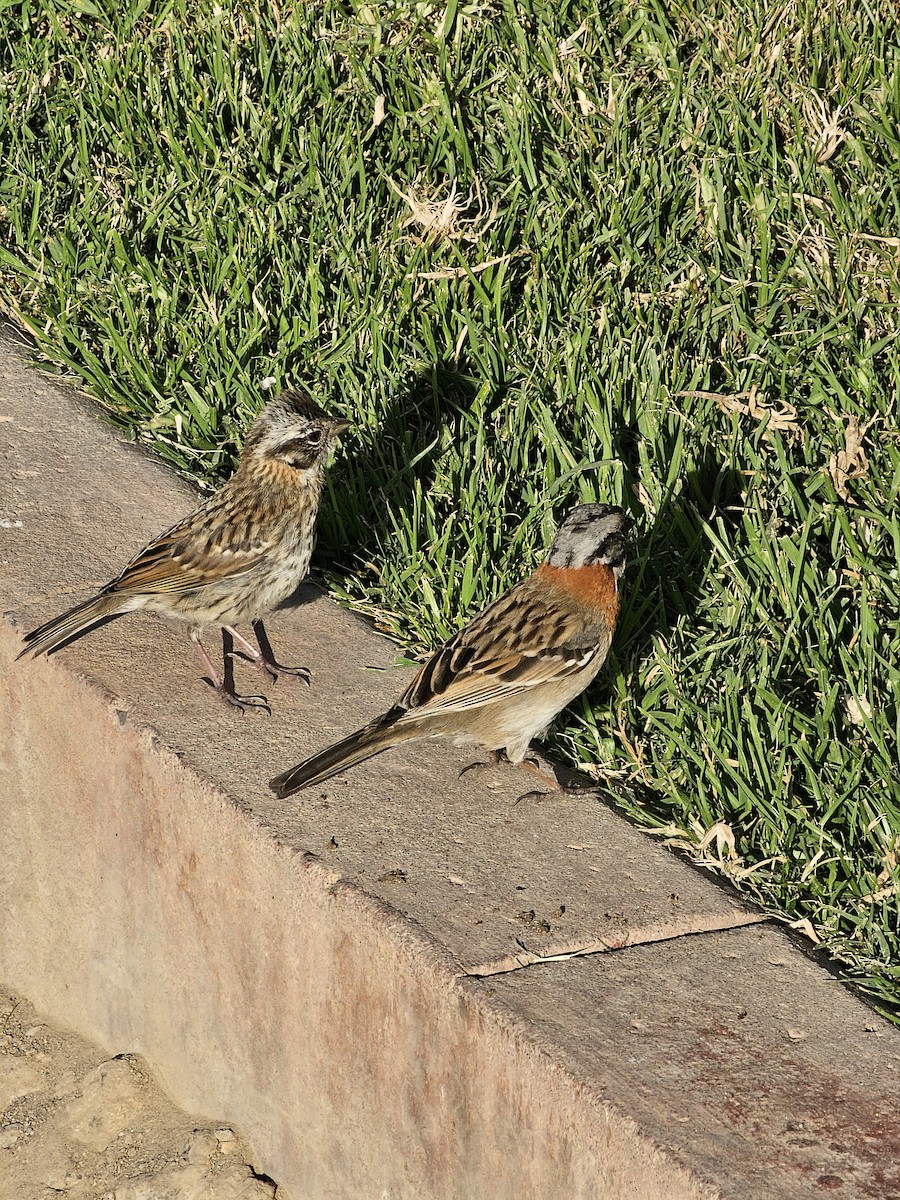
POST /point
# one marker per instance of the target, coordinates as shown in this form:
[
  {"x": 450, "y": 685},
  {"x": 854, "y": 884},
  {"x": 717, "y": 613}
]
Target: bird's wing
[
  {"x": 211, "y": 544},
  {"x": 520, "y": 641}
]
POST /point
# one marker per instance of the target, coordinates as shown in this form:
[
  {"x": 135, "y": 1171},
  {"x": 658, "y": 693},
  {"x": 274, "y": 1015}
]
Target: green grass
[{"x": 659, "y": 280}]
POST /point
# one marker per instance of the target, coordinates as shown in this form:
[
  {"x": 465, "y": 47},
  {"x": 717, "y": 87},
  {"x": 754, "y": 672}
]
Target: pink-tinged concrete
[
  {"x": 304, "y": 968},
  {"x": 739, "y": 1054},
  {"x": 150, "y": 911}
]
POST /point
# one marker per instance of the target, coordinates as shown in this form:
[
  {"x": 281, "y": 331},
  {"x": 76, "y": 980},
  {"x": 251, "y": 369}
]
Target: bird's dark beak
[{"x": 338, "y": 427}]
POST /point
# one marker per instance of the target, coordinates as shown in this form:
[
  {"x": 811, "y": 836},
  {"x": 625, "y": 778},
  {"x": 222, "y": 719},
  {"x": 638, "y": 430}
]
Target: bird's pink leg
[
  {"x": 230, "y": 697},
  {"x": 261, "y": 660}
]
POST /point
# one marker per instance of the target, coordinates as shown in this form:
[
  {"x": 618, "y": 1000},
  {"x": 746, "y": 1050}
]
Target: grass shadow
[
  {"x": 672, "y": 561},
  {"x": 388, "y": 468}
]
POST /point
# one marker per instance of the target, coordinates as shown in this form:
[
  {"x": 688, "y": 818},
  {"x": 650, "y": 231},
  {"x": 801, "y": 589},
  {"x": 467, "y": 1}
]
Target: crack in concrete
[{"x": 711, "y": 923}]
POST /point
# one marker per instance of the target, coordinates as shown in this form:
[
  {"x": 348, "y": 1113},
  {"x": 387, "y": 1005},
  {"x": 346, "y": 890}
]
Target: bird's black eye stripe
[
  {"x": 300, "y": 451},
  {"x": 611, "y": 549},
  {"x": 301, "y": 447}
]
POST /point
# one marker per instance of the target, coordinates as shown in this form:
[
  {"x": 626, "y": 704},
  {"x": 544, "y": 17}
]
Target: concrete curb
[{"x": 302, "y": 970}]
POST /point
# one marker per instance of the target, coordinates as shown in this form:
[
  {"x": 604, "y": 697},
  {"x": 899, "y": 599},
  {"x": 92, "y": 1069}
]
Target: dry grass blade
[
  {"x": 441, "y": 219},
  {"x": 851, "y": 462},
  {"x": 828, "y": 133},
  {"x": 462, "y": 272},
  {"x": 783, "y": 418}
]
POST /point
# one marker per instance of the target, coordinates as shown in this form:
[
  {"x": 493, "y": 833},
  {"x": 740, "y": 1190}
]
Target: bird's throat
[{"x": 593, "y": 586}]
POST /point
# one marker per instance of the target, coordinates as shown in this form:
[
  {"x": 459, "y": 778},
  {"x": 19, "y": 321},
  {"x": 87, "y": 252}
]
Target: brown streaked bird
[
  {"x": 504, "y": 677},
  {"x": 238, "y": 555}
]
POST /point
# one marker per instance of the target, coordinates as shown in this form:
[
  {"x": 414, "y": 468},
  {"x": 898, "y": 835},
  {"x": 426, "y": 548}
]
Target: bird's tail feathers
[
  {"x": 355, "y": 748},
  {"x": 68, "y": 625}
]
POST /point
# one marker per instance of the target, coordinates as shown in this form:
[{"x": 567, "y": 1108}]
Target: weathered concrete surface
[
  {"x": 149, "y": 910},
  {"x": 298, "y": 967},
  {"x": 736, "y": 1052}
]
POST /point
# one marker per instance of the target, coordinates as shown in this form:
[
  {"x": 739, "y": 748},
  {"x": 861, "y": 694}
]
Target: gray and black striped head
[
  {"x": 294, "y": 430},
  {"x": 590, "y": 534}
]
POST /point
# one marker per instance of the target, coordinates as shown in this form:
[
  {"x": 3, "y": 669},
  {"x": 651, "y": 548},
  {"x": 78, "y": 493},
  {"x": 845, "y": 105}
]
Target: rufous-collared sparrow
[
  {"x": 505, "y": 676},
  {"x": 238, "y": 555}
]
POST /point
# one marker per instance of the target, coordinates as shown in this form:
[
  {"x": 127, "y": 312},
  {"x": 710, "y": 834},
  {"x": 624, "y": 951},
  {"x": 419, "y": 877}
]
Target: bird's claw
[
  {"x": 270, "y": 669},
  {"x": 494, "y": 757},
  {"x": 560, "y": 789},
  {"x": 233, "y": 700},
  {"x": 533, "y": 795},
  {"x": 472, "y": 766},
  {"x": 275, "y": 669}
]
